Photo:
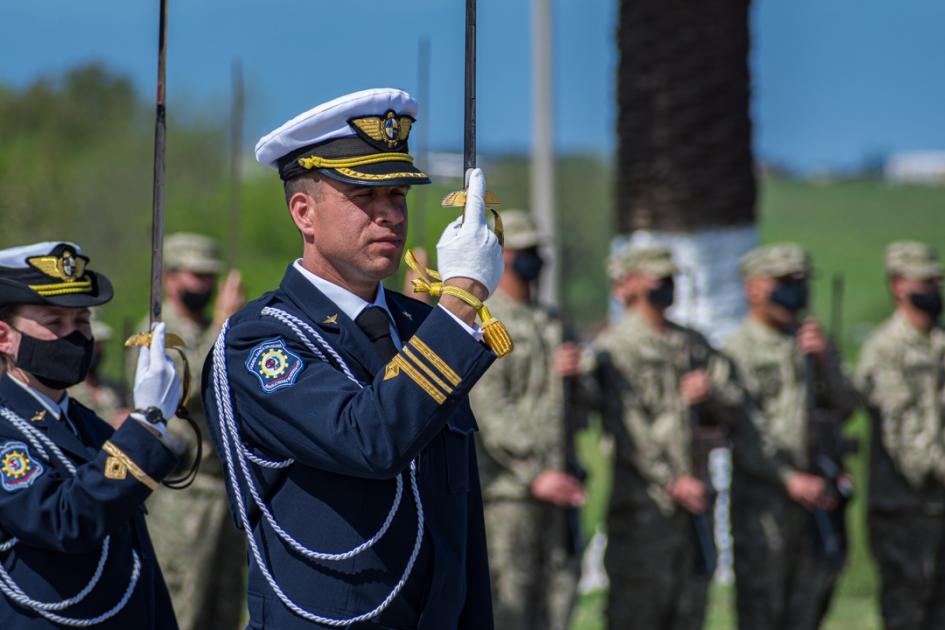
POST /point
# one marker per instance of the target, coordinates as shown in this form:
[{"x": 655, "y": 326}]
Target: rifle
[
  {"x": 827, "y": 446},
  {"x": 705, "y": 435},
  {"x": 574, "y": 421}
]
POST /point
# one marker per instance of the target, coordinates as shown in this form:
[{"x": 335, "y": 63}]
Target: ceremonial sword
[
  {"x": 157, "y": 198},
  {"x": 458, "y": 199},
  {"x": 143, "y": 339}
]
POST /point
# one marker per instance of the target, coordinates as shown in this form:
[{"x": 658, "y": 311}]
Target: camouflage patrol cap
[
  {"x": 520, "y": 230},
  {"x": 654, "y": 260},
  {"x": 191, "y": 252},
  {"x": 912, "y": 259},
  {"x": 776, "y": 260}
]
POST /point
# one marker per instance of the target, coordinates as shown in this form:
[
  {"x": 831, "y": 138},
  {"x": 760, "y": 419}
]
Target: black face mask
[
  {"x": 663, "y": 295},
  {"x": 527, "y": 265},
  {"x": 95, "y": 363},
  {"x": 928, "y": 301},
  {"x": 791, "y": 295},
  {"x": 196, "y": 301},
  {"x": 57, "y": 364}
]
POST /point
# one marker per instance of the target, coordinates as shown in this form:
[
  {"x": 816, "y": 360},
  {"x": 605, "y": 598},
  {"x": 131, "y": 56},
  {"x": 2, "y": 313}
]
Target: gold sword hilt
[{"x": 457, "y": 199}]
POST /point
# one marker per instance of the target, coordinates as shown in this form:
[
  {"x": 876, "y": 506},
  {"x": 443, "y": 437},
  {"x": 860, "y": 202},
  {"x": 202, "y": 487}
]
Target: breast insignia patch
[
  {"x": 18, "y": 469},
  {"x": 274, "y": 365}
]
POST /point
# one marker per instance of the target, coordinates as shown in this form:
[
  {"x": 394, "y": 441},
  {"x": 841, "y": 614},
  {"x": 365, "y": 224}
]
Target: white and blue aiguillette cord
[
  {"x": 40, "y": 442},
  {"x": 233, "y": 444}
]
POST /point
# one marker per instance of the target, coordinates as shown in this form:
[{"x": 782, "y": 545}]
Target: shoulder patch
[
  {"x": 274, "y": 364},
  {"x": 18, "y": 468}
]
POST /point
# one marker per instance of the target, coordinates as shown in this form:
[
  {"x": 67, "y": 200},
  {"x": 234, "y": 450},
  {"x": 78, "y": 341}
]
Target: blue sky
[{"x": 835, "y": 80}]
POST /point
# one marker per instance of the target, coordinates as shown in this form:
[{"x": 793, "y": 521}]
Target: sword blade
[
  {"x": 469, "y": 129},
  {"x": 157, "y": 201}
]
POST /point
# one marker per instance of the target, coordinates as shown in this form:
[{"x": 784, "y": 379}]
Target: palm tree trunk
[{"x": 684, "y": 153}]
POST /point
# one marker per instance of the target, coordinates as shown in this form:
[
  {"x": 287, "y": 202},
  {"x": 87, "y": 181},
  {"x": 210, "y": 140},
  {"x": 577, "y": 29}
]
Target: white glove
[
  {"x": 468, "y": 248},
  {"x": 156, "y": 381}
]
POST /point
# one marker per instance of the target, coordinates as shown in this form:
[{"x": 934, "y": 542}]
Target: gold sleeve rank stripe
[
  {"x": 429, "y": 372},
  {"x": 399, "y": 363},
  {"x": 118, "y": 465},
  {"x": 434, "y": 359}
]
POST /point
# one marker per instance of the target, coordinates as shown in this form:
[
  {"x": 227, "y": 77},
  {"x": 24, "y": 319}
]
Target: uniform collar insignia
[
  {"x": 39, "y": 416},
  {"x": 331, "y": 319}
]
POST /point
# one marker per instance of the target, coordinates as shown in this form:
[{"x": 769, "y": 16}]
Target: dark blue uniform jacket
[
  {"x": 349, "y": 445},
  {"x": 61, "y": 519}
]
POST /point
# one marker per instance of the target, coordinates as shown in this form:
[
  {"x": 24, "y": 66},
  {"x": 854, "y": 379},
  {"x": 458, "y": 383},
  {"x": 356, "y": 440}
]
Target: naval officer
[
  {"x": 74, "y": 548},
  {"x": 341, "y": 408}
]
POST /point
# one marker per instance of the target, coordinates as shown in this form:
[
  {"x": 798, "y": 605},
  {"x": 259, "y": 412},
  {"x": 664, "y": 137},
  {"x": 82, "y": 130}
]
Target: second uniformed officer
[
  {"x": 74, "y": 548},
  {"x": 341, "y": 408},
  {"x": 520, "y": 405},
  {"x": 902, "y": 376},
  {"x": 659, "y": 541},
  {"x": 783, "y": 577}
]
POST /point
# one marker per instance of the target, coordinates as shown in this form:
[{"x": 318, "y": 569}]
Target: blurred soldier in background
[
  {"x": 783, "y": 580},
  {"x": 658, "y": 577},
  {"x": 106, "y": 398},
  {"x": 201, "y": 552},
  {"x": 902, "y": 376},
  {"x": 520, "y": 406}
]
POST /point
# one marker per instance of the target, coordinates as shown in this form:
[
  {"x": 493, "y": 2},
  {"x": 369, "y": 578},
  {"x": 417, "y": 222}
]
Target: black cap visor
[
  {"x": 392, "y": 173},
  {"x": 14, "y": 292}
]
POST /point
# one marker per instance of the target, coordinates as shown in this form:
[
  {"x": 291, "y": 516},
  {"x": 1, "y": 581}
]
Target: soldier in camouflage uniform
[
  {"x": 902, "y": 376},
  {"x": 782, "y": 583},
  {"x": 519, "y": 404},
  {"x": 105, "y": 398},
  {"x": 648, "y": 385},
  {"x": 200, "y": 551}
]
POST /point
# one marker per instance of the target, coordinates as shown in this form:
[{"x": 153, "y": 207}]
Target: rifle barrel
[{"x": 836, "y": 310}]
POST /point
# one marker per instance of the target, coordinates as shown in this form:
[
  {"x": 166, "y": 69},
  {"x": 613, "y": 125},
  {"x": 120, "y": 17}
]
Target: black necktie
[{"x": 373, "y": 321}]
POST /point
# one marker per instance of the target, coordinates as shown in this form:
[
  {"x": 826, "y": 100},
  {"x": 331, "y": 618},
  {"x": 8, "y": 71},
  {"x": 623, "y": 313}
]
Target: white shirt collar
[
  {"x": 56, "y": 409},
  {"x": 349, "y": 303}
]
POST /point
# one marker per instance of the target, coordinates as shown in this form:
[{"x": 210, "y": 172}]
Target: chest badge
[
  {"x": 274, "y": 365},
  {"x": 18, "y": 469}
]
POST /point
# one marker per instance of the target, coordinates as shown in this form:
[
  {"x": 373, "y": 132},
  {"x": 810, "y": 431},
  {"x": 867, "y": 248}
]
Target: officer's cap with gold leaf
[
  {"x": 51, "y": 274},
  {"x": 359, "y": 138}
]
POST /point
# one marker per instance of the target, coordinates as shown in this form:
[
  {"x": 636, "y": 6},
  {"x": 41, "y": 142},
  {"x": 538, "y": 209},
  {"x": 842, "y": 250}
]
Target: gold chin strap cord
[{"x": 494, "y": 332}]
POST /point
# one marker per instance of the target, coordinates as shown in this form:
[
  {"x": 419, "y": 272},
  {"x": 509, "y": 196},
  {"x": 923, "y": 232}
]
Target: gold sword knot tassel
[{"x": 494, "y": 332}]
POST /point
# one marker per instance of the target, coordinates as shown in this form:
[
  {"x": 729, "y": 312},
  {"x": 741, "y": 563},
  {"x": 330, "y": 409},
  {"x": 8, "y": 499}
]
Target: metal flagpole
[
  {"x": 236, "y": 154},
  {"x": 542, "y": 162},
  {"x": 423, "y": 95}
]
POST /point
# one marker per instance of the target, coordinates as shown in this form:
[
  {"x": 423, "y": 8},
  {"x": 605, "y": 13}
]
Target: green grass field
[{"x": 846, "y": 225}]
